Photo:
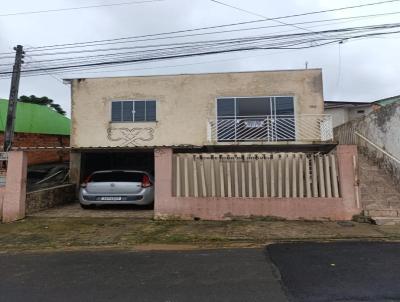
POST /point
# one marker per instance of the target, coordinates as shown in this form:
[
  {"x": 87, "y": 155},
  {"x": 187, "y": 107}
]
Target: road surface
[{"x": 298, "y": 272}]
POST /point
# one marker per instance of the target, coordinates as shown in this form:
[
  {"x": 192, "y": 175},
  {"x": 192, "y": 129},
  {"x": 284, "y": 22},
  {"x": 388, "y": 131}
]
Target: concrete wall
[
  {"x": 382, "y": 127},
  {"x": 49, "y": 197},
  {"x": 184, "y": 104},
  {"x": 217, "y": 208}
]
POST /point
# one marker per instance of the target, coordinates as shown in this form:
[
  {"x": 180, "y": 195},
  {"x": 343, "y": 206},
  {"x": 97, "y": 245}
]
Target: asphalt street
[
  {"x": 346, "y": 271},
  {"x": 217, "y": 275}
]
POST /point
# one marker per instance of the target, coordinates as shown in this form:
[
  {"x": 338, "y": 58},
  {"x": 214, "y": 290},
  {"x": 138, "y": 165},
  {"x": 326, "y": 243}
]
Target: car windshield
[{"x": 116, "y": 176}]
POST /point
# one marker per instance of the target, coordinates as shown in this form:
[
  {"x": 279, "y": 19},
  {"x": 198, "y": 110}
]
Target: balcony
[{"x": 305, "y": 128}]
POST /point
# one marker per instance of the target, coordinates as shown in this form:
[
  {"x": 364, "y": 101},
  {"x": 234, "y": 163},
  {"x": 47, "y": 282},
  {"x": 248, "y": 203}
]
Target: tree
[{"x": 43, "y": 101}]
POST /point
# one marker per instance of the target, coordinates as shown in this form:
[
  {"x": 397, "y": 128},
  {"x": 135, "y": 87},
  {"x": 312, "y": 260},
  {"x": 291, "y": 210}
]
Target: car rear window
[{"x": 116, "y": 176}]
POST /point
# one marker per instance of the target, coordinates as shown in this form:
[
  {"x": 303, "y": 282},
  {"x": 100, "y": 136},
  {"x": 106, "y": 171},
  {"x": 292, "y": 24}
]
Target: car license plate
[{"x": 110, "y": 198}]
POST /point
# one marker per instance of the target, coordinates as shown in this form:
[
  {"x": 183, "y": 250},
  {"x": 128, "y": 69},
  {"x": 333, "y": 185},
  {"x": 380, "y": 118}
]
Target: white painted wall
[
  {"x": 354, "y": 113},
  {"x": 339, "y": 115},
  {"x": 344, "y": 114}
]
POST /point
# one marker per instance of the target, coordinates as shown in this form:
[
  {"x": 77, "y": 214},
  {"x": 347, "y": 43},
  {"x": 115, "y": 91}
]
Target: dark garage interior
[{"x": 142, "y": 160}]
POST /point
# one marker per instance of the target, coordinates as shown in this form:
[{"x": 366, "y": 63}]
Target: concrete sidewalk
[{"x": 42, "y": 233}]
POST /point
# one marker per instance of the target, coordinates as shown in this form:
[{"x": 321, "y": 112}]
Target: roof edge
[{"x": 68, "y": 80}]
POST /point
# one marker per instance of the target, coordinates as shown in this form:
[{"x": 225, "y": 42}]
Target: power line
[
  {"x": 190, "y": 35},
  {"x": 49, "y": 74},
  {"x": 176, "y": 65},
  {"x": 78, "y": 8},
  {"x": 81, "y": 44},
  {"x": 293, "y": 41},
  {"x": 259, "y": 15},
  {"x": 176, "y": 46}
]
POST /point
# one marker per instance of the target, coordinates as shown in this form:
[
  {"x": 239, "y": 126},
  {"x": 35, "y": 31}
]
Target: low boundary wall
[
  {"x": 15, "y": 203},
  {"x": 168, "y": 206},
  {"x": 49, "y": 197}
]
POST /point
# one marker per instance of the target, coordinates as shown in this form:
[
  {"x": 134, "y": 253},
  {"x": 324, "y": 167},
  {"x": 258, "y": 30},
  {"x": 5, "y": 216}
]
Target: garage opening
[
  {"x": 117, "y": 192},
  {"x": 142, "y": 160}
]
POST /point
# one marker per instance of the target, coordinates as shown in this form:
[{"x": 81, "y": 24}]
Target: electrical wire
[
  {"x": 224, "y": 31},
  {"x": 293, "y": 41},
  {"x": 77, "y": 8},
  {"x": 81, "y": 44}
]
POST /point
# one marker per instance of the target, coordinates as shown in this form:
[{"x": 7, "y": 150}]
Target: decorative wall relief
[{"x": 130, "y": 136}]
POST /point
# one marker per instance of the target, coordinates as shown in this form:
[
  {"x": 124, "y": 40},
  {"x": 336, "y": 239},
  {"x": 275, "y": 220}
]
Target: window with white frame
[{"x": 133, "y": 111}]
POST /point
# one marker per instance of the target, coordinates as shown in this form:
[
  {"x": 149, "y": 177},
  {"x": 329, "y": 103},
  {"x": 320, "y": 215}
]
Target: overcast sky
[{"x": 363, "y": 70}]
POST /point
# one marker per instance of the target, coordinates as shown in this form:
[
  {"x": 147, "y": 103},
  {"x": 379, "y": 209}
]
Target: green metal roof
[
  {"x": 388, "y": 101},
  {"x": 32, "y": 118}
]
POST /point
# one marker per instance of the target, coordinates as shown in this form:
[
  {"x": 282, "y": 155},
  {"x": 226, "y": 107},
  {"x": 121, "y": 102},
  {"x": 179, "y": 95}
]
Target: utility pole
[{"x": 12, "y": 100}]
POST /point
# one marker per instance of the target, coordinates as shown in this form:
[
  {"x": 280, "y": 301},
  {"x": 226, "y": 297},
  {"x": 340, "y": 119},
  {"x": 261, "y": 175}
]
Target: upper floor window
[
  {"x": 133, "y": 111},
  {"x": 255, "y": 106}
]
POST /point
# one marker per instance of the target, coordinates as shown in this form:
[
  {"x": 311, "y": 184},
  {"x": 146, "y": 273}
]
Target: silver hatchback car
[{"x": 117, "y": 187}]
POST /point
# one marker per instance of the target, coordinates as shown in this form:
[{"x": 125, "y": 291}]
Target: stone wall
[{"x": 50, "y": 197}]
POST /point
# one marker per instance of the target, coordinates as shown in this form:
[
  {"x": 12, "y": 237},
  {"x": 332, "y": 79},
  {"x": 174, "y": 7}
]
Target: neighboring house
[
  {"x": 384, "y": 102},
  {"x": 219, "y": 144},
  {"x": 343, "y": 112},
  {"x": 38, "y": 126}
]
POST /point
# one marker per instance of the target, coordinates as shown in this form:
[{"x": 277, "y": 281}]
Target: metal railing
[
  {"x": 270, "y": 128},
  {"x": 381, "y": 150}
]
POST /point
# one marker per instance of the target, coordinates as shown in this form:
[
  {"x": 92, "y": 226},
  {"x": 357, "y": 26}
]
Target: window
[
  {"x": 268, "y": 118},
  {"x": 133, "y": 111},
  {"x": 361, "y": 111},
  {"x": 255, "y": 106},
  {"x": 116, "y": 176}
]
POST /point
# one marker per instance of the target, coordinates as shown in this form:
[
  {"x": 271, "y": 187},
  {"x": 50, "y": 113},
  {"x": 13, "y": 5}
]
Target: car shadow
[{"x": 124, "y": 207}]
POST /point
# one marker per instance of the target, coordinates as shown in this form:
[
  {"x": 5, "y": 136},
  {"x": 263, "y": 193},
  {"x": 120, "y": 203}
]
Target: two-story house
[{"x": 219, "y": 144}]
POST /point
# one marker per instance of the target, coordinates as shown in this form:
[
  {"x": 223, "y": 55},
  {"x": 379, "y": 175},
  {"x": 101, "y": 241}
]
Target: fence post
[
  {"x": 15, "y": 192},
  {"x": 163, "y": 179},
  {"x": 349, "y": 186}
]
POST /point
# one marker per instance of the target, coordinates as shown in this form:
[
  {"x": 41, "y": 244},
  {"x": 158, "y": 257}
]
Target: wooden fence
[{"x": 255, "y": 175}]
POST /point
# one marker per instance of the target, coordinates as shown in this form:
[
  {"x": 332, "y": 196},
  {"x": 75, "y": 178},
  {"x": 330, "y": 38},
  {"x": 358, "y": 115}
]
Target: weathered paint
[
  {"x": 381, "y": 127},
  {"x": 184, "y": 103}
]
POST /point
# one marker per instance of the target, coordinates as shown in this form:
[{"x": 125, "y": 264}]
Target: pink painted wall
[
  {"x": 168, "y": 206},
  {"x": 15, "y": 189},
  {"x": 2, "y": 192}
]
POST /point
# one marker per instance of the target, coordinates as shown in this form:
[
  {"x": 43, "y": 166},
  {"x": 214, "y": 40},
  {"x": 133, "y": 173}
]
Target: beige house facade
[{"x": 186, "y": 108}]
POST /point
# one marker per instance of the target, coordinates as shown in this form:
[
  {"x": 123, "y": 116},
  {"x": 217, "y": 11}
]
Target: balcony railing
[{"x": 304, "y": 128}]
